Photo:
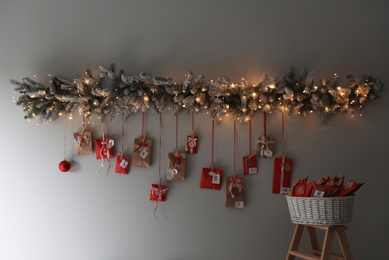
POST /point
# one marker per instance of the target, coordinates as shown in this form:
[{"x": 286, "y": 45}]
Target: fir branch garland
[{"x": 111, "y": 94}]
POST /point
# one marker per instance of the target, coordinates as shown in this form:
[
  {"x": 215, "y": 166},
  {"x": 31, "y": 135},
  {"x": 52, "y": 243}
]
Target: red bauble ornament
[{"x": 64, "y": 166}]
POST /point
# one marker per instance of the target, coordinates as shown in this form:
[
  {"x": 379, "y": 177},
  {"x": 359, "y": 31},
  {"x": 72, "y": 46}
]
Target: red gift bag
[
  {"x": 211, "y": 179},
  {"x": 191, "y": 145},
  {"x": 122, "y": 164},
  {"x": 235, "y": 193},
  {"x": 158, "y": 192},
  {"x": 250, "y": 165},
  {"x": 282, "y": 173},
  {"x": 104, "y": 148}
]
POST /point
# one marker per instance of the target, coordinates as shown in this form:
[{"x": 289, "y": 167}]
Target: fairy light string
[{"x": 301, "y": 94}]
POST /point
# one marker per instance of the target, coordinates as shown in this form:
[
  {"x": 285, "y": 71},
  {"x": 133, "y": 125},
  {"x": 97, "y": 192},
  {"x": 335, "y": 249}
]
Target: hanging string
[
  {"x": 283, "y": 137},
  {"x": 122, "y": 135},
  {"x": 283, "y": 152},
  {"x": 160, "y": 149},
  {"x": 234, "y": 149},
  {"x": 193, "y": 133},
  {"x": 177, "y": 134},
  {"x": 250, "y": 147},
  {"x": 213, "y": 143},
  {"x": 264, "y": 124},
  {"x": 64, "y": 142},
  {"x": 159, "y": 166},
  {"x": 143, "y": 127},
  {"x": 83, "y": 124}
]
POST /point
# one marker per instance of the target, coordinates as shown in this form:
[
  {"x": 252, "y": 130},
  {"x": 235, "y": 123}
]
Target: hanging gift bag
[
  {"x": 250, "y": 165},
  {"x": 176, "y": 167},
  {"x": 265, "y": 143},
  {"x": 158, "y": 192},
  {"x": 104, "y": 148},
  {"x": 235, "y": 190},
  {"x": 282, "y": 168},
  {"x": 142, "y": 149},
  {"x": 83, "y": 140},
  {"x": 192, "y": 141},
  {"x": 176, "y": 162},
  {"x": 235, "y": 193},
  {"x": 122, "y": 161},
  {"x": 211, "y": 178}
]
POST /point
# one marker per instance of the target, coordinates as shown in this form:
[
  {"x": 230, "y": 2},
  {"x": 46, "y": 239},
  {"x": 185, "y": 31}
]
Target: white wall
[{"x": 45, "y": 214}]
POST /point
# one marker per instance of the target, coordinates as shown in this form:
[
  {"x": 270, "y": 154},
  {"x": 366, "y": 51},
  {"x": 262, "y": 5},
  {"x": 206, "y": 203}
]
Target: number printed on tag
[
  {"x": 318, "y": 193},
  {"x": 123, "y": 163},
  {"x": 239, "y": 204},
  {"x": 284, "y": 190},
  {"x": 215, "y": 178},
  {"x": 253, "y": 170},
  {"x": 143, "y": 153}
]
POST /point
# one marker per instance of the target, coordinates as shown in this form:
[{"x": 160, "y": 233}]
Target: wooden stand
[{"x": 317, "y": 253}]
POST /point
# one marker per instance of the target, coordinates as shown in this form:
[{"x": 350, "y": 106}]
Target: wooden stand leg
[
  {"x": 313, "y": 241},
  {"x": 298, "y": 231},
  {"x": 344, "y": 245},
  {"x": 327, "y": 245}
]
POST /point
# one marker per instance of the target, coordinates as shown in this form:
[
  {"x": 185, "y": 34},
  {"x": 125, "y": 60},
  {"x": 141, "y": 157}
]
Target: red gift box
[
  {"x": 122, "y": 164},
  {"x": 192, "y": 143},
  {"x": 250, "y": 165},
  {"x": 158, "y": 192},
  {"x": 104, "y": 148},
  {"x": 280, "y": 168},
  {"x": 211, "y": 179}
]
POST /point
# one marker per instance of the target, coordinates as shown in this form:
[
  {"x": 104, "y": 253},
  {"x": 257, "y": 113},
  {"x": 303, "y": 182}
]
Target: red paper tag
[
  {"x": 277, "y": 175},
  {"x": 250, "y": 165},
  {"x": 191, "y": 144},
  {"x": 211, "y": 179},
  {"x": 122, "y": 164},
  {"x": 158, "y": 192},
  {"x": 104, "y": 148}
]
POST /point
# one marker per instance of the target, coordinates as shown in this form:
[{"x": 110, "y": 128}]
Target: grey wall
[{"x": 45, "y": 214}]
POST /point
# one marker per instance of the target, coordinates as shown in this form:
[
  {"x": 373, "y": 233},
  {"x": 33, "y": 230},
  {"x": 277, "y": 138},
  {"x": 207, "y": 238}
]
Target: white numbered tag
[
  {"x": 143, "y": 152},
  {"x": 123, "y": 163},
  {"x": 252, "y": 170},
  {"x": 111, "y": 143},
  {"x": 284, "y": 190},
  {"x": 268, "y": 153},
  {"x": 239, "y": 204},
  {"x": 318, "y": 193},
  {"x": 215, "y": 178}
]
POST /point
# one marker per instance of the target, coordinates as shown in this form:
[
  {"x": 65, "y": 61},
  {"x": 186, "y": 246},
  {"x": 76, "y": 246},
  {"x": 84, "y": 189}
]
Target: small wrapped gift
[
  {"x": 349, "y": 188},
  {"x": 235, "y": 193},
  {"x": 83, "y": 141},
  {"x": 211, "y": 179},
  {"x": 122, "y": 164},
  {"x": 104, "y": 148},
  {"x": 282, "y": 175},
  {"x": 192, "y": 143},
  {"x": 319, "y": 190},
  {"x": 265, "y": 147},
  {"x": 302, "y": 188},
  {"x": 158, "y": 192},
  {"x": 142, "y": 153},
  {"x": 176, "y": 167},
  {"x": 250, "y": 165}
]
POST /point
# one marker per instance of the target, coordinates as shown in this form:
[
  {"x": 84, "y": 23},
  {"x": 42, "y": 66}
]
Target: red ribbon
[{"x": 235, "y": 182}]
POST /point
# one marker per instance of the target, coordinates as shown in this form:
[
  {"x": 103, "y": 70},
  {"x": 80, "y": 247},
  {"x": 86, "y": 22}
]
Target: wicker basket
[{"x": 329, "y": 211}]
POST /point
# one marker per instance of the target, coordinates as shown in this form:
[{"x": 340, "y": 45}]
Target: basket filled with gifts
[{"x": 326, "y": 202}]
